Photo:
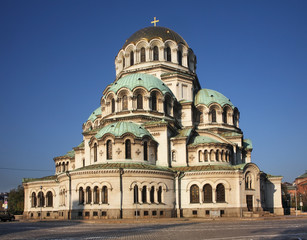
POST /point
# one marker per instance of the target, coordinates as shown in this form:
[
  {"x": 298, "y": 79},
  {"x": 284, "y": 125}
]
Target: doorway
[{"x": 249, "y": 202}]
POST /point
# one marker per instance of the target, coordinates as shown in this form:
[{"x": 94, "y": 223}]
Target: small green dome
[
  {"x": 208, "y": 96},
  {"x": 119, "y": 128},
  {"x": 203, "y": 139},
  {"x": 140, "y": 80},
  {"x": 94, "y": 114}
]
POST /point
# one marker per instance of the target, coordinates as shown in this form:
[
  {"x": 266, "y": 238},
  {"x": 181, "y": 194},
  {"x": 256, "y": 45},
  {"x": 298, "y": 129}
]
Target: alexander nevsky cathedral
[{"x": 158, "y": 145}]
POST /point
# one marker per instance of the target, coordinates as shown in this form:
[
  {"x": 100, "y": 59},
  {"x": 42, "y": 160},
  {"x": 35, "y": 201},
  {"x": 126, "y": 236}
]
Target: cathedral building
[{"x": 158, "y": 145}]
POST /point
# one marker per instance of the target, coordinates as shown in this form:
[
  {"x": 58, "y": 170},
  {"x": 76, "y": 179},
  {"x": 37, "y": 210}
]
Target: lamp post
[
  {"x": 295, "y": 200},
  {"x": 41, "y": 201}
]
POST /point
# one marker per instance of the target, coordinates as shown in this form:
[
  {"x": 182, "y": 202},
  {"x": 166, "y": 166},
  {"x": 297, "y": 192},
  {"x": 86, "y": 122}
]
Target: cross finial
[{"x": 154, "y": 21}]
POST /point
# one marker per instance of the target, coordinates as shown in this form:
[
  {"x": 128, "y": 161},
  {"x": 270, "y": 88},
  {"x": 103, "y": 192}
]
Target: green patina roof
[
  {"x": 70, "y": 154},
  {"x": 94, "y": 114},
  {"x": 140, "y": 80},
  {"x": 303, "y": 175},
  {"x": 124, "y": 166},
  {"x": 119, "y": 128},
  {"x": 184, "y": 133},
  {"x": 203, "y": 139},
  {"x": 208, "y": 96},
  {"x": 247, "y": 143},
  {"x": 48, "y": 178}
]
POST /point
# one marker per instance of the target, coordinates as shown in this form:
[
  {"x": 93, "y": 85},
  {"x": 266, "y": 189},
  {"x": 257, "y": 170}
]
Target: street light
[
  {"x": 295, "y": 200},
  {"x": 41, "y": 201}
]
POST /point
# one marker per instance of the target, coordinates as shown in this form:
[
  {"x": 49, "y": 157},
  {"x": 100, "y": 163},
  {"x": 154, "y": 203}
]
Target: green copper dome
[
  {"x": 204, "y": 139},
  {"x": 208, "y": 96},
  {"x": 150, "y": 33},
  {"x": 119, "y": 128},
  {"x": 140, "y": 80},
  {"x": 94, "y": 114}
]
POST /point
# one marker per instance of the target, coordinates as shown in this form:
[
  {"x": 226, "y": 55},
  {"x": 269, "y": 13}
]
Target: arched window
[
  {"x": 217, "y": 155},
  {"x": 225, "y": 116},
  {"x": 213, "y": 115},
  {"x": 95, "y": 152},
  {"x": 81, "y": 195},
  {"x": 125, "y": 103},
  {"x": 109, "y": 149},
  {"x": 194, "y": 194},
  {"x": 152, "y": 194},
  {"x": 96, "y": 195},
  {"x": 128, "y": 149},
  {"x": 139, "y": 101},
  {"x": 143, "y": 55},
  {"x": 179, "y": 57},
  {"x": 104, "y": 195},
  {"x": 160, "y": 194},
  {"x": 207, "y": 193},
  {"x": 135, "y": 194},
  {"x": 145, "y": 151},
  {"x": 88, "y": 195},
  {"x": 144, "y": 194},
  {"x": 220, "y": 193},
  {"x": 113, "y": 105},
  {"x": 248, "y": 181},
  {"x": 131, "y": 58},
  {"x": 63, "y": 167},
  {"x": 167, "y": 107},
  {"x": 124, "y": 62},
  {"x": 153, "y": 101},
  {"x": 34, "y": 200},
  {"x": 212, "y": 155},
  {"x": 41, "y": 199},
  {"x": 155, "y": 53},
  {"x": 168, "y": 54},
  {"x": 49, "y": 197},
  {"x": 206, "y": 156},
  {"x": 200, "y": 156},
  {"x": 235, "y": 117}
]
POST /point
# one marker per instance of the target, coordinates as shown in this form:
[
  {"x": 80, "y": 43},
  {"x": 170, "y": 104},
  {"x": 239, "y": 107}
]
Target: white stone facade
[{"x": 157, "y": 146}]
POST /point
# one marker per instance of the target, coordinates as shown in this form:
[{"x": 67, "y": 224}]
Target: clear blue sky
[{"x": 56, "y": 58}]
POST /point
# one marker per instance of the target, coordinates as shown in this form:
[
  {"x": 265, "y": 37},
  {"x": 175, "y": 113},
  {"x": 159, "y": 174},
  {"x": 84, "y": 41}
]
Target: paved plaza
[{"x": 220, "y": 229}]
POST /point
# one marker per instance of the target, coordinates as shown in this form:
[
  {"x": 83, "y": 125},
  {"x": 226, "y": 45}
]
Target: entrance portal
[{"x": 249, "y": 202}]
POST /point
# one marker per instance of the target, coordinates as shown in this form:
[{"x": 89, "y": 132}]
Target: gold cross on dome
[{"x": 155, "y": 21}]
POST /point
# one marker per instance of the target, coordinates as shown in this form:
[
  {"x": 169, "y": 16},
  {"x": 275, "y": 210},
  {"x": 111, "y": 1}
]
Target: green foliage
[{"x": 16, "y": 200}]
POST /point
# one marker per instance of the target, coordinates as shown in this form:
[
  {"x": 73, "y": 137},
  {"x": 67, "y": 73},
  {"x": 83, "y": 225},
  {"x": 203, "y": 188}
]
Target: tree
[{"x": 16, "y": 200}]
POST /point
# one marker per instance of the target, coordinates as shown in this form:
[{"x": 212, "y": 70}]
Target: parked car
[{"x": 6, "y": 216}]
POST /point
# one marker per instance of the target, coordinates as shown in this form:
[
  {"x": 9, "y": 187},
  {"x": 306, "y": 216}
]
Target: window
[
  {"x": 109, "y": 149},
  {"x": 143, "y": 55},
  {"x": 220, "y": 193},
  {"x": 88, "y": 195},
  {"x": 154, "y": 102},
  {"x": 207, "y": 193},
  {"x": 34, "y": 200},
  {"x": 206, "y": 156},
  {"x": 104, "y": 195},
  {"x": 160, "y": 195},
  {"x": 139, "y": 101},
  {"x": 103, "y": 213},
  {"x": 152, "y": 194},
  {"x": 131, "y": 58},
  {"x": 145, "y": 151},
  {"x": 174, "y": 156},
  {"x": 161, "y": 213},
  {"x": 248, "y": 181},
  {"x": 49, "y": 197},
  {"x": 41, "y": 199},
  {"x": 144, "y": 194},
  {"x": 83, "y": 162},
  {"x": 207, "y": 212},
  {"x": 136, "y": 213},
  {"x": 213, "y": 115},
  {"x": 113, "y": 105},
  {"x": 155, "y": 53},
  {"x": 179, "y": 57},
  {"x": 225, "y": 116},
  {"x": 79, "y": 214},
  {"x": 168, "y": 54},
  {"x": 96, "y": 195},
  {"x": 87, "y": 214},
  {"x": 81, "y": 195},
  {"x": 194, "y": 194},
  {"x": 200, "y": 156},
  {"x": 217, "y": 155},
  {"x": 235, "y": 117},
  {"x": 128, "y": 149},
  {"x": 145, "y": 213},
  {"x": 135, "y": 194},
  {"x": 167, "y": 105},
  {"x": 194, "y": 212},
  {"x": 95, "y": 214},
  {"x": 125, "y": 103},
  {"x": 123, "y": 62},
  {"x": 154, "y": 213},
  {"x": 95, "y": 152}
]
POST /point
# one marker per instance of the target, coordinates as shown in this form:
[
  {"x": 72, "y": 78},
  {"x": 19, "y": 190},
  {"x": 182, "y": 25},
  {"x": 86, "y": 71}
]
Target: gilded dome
[{"x": 150, "y": 33}]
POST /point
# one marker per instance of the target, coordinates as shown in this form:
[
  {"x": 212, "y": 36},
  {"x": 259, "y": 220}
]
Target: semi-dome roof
[
  {"x": 119, "y": 128},
  {"x": 208, "y": 96},
  {"x": 94, "y": 114},
  {"x": 140, "y": 80},
  {"x": 150, "y": 33}
]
